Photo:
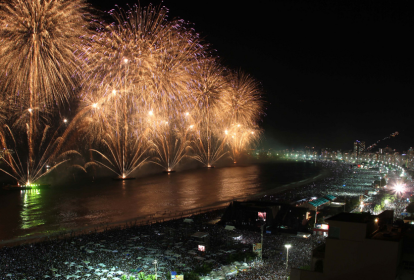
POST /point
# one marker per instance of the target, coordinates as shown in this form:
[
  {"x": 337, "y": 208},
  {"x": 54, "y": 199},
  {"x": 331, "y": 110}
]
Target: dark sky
[{"x": 332, "y": 71}]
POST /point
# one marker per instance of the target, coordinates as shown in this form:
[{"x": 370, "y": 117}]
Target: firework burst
[
  {"x": 38, "y": 44},
  {"x": 147, "y": 53},
  {"x": 139, "y": 63},
  {"x": 240, "y": 138},
  {"x": 208, "y": 85},
  {"x": 39, "y": 40},
  {"x": 241, "y": 105},
  {"x": 242, "y": 102}
]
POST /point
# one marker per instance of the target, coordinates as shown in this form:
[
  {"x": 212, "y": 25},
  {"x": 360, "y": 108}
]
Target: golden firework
[
  {"x": 38, "y": 44},
  {"x": 140, "y": 61},
  {"x": 208, "y": 85}
]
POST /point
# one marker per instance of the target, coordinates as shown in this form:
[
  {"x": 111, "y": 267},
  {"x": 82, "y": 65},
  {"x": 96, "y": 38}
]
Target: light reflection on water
[
  {"x": 31, "y": 215},
  {"x": 108, "y": 201}
]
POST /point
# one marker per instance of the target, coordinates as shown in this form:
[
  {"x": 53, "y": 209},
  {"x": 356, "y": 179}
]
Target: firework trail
[
  {"x": 47, "y": 155},
  {"x": 137, "y": 64},
  {"x": 242, "y": 103},
  {"x": 148, "y": 86},
  {"x": 239, "y": 138},
  {"x": 153, "y": 55},
  {"x": 170, "y": 137},
  {"x": 241, "y": 106},
  {"x": 123, "y": 134},
  {"x": 208, "y": 84},
  {"x": 38, "y": 44}
]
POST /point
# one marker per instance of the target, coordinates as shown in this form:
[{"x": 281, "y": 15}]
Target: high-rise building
[{"x": 359, "y": 146}]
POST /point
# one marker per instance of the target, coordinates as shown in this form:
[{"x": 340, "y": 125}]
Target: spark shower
[{"x": 147, "y": 89}]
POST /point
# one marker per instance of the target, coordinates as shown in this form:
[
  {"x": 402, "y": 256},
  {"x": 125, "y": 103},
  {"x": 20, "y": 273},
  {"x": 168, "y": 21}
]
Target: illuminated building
[{"x": 358, "y": 246}]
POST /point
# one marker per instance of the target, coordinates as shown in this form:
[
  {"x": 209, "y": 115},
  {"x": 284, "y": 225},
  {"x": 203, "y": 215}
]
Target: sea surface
[{"x": 89, "y": 204}]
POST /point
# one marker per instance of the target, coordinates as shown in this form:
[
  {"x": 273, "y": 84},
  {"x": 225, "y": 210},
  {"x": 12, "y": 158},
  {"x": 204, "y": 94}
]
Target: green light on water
[{"x": 31, "y": 215}]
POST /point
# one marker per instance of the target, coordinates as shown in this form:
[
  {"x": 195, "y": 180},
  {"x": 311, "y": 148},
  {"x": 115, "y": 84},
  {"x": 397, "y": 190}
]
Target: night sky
[{"x": 332, "y": 72}]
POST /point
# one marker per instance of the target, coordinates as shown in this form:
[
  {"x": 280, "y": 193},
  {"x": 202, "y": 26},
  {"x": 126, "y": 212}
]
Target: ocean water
[{"x": 89, "y": 204}]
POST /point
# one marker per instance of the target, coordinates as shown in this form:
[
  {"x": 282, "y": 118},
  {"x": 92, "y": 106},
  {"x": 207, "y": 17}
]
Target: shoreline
[
  {"x": 158, "y": 217},
  {"x": 293, "y": 185}
]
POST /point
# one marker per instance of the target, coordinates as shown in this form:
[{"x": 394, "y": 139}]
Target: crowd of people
[
  {"x": 116, "y": 252},
  {"x": 111, "y": 253}
]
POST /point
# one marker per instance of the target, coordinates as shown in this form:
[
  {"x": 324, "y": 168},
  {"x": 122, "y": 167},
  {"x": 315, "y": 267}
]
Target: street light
[
  {"x": 155, "y": 263},
  {"x": 287, "y": 254}
]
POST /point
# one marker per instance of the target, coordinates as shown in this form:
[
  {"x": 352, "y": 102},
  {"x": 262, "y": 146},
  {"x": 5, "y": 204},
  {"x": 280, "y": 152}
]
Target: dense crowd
[
  {"x": 117, "y": 252},
  {"x": 111, "y": 253}
]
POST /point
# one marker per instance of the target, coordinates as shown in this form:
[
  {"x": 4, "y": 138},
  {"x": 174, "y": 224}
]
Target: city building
[
  {"x": 358, "y": 246},
  {"x": 359, "y": 147}
]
